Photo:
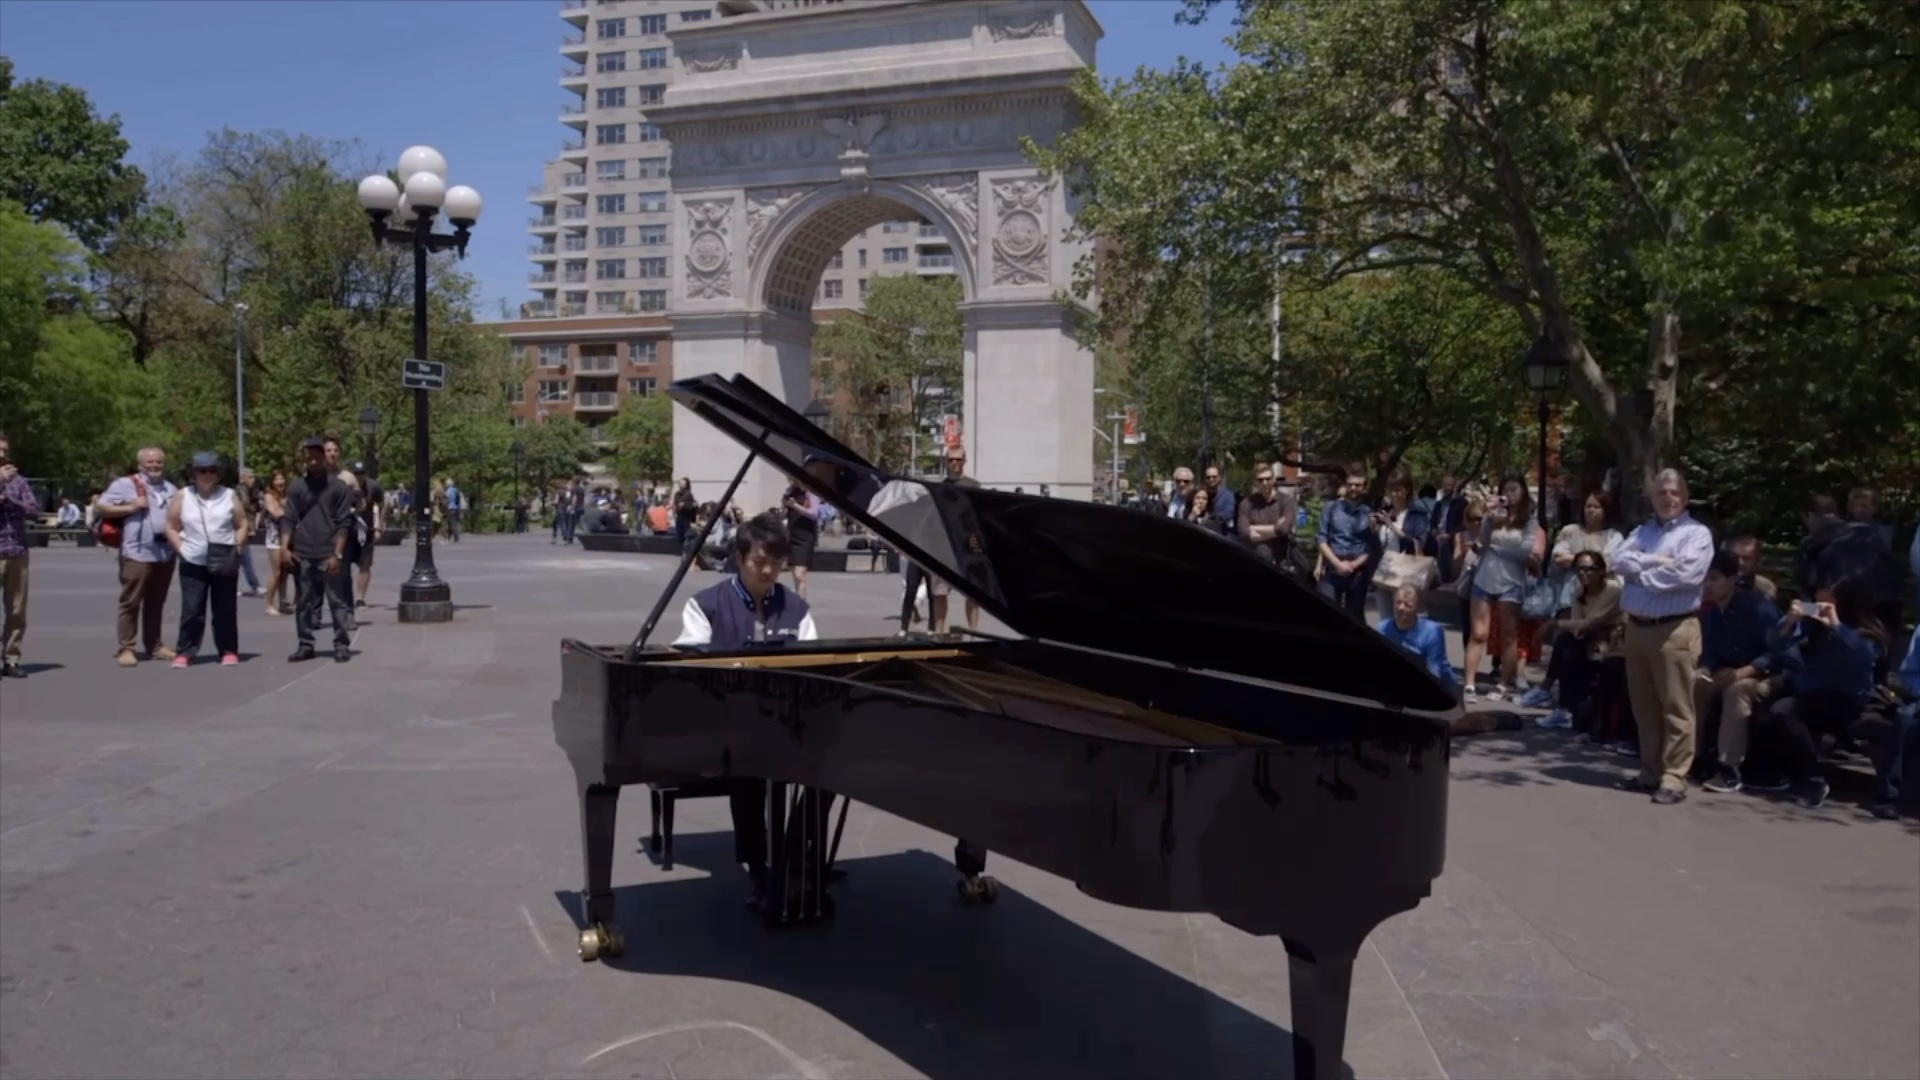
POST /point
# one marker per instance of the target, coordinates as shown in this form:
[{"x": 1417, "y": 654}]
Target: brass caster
[
  {"x": 601, "y": 941},
  {"x": 978, "y": 890}
]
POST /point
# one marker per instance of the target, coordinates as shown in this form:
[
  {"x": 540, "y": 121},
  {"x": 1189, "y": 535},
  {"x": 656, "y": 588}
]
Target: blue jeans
[
  {"x": 1349, "y": 590},
  {"x": 245, "y": 558},
  {"x": 1899, "y": 765}
]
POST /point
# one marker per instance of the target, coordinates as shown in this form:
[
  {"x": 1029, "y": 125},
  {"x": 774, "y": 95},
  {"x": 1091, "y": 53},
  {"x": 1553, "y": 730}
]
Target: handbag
[
  {"x": 221, "y": 560},
  {"x": 1397, "y": 568},
  {"x": 1541, "y": 600}
]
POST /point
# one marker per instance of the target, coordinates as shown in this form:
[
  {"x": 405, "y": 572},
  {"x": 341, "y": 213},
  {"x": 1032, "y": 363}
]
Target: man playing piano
[{"x": 746, "y": 609}]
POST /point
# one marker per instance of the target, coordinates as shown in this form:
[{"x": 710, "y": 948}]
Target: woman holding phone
[{"x": 1512, "y": 547}]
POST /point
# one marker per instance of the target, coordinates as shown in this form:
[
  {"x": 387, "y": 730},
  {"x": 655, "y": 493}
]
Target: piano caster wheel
[
  {"x": 978, "y": 890},
  {"x": 601, "y": 941}
]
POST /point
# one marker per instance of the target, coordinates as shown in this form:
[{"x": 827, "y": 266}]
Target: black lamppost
[
  {"x": 412, "y": 204},
  {"x": 817, "y": 413},
  {"x": 1546, "y": 366},
  {"x": 519, "y": 454},
  {"x": 370, "y": 423}
]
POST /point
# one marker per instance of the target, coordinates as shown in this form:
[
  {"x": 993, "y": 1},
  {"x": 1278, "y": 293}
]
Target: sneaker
[
  {"x": 1470, "y": 694},
  {"x": 1726, "y": 780},
  {"x": 1558, "y": 718},
  {"x": 342, "y": 654},
  {"x": 180, "y": 663},
  {"x": 1765, "y": 787},
  {"x": 1498, "y": 693},
  {"x": 164, "y": 653},
  {"x": 12, "y": 670},
  {"x": 1583, "y": 738},
  {"x": 1812, "y": 794},
  {"x": 1537, "y": 698},
  {"x": 229, "y": 659},
  {"x": 1667, "y": 796},
  {"x": 1626, "y": 749},
  {"x": 126, "y": 658}
]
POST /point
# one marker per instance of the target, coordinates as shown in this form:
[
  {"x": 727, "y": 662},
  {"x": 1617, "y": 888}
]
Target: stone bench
[{"x": 39, "y": 538}]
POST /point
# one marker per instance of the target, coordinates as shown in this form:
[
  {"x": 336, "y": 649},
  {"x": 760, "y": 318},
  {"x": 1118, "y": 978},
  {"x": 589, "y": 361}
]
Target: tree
[
  {"x": 1613, "y": 174},
  {"x": 61, "y": 161},
  {"x": 642, "y": 437},
  {"x": 889, "y": 370},
  {"x": 554, "y": 449}
]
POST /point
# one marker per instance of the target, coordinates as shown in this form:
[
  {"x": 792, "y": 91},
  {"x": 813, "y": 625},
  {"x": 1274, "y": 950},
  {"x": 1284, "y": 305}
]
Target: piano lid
[{"x": 1102, "y": 577}]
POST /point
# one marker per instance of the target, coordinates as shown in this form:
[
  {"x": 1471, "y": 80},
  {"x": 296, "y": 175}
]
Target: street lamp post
[
  {"x": 239, "y": 387},
  {"x": 1546, "y": 367},
  {"x": 370, "y": 423},
  {"x": 411, "y": 206},
  {"x": 519, "y": 453}
]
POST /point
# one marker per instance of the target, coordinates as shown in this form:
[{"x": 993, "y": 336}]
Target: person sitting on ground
[
  {"x": 745, "y": 609},
  {"x": 1735, "y": 672},
  {"x": 1419, "y": 635},
  {"x": 1585, "y": 664},
  {"x": 1838, "y": 642}
]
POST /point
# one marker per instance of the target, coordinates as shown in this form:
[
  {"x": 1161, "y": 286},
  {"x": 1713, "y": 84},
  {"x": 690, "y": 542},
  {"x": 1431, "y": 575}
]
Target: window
[
  {"x": 653, "y": 202},
  {"x": 516, "y": 392},
  {"x": 702, "y": 15},
  {"x": 653, "y": 235},
  {"x": 608, "y": 29},
  {"x": 834, "y": 289},
  {"x": 610, "y": 204},
  {"x": 610, "y": 97},
  {"x": 610, "y": 61},
  {"x": 519, "y": 421},
  {"x": 609, "y": 134},
  {"x": 640, "y": 387},
  {"x": 653, "y": 59},
  {"x": 839, "y": 260},
  {"x": 653, "y": 300},
  {"x": 651, "y": 133},
  {"x": 653, "y": 268},
  {"x": 643, "y": 352},
  {"x": 610, "y": 270},
  {"x": 863, "y": 288},
  {"x": 610, "y": 170},
  {"x": 652, "y": 168},
  {"x": 576, "y": 270},
  {"x": 608, "y": 302},
  {"x": 863, "y": 258},
  {"x": 894, "y": 255},
  {"x": 553, "y": 356},
  {"x": 610, "y": 236},
  {"x": 897, "y": 227},
  {"x": 653, "y": 24},
  {"x": 650, "y": 95},
  {"x": 553, "y": 390}
]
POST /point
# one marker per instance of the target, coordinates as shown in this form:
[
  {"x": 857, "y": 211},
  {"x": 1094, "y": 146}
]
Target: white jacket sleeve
[{"x": 694, "y": 627}]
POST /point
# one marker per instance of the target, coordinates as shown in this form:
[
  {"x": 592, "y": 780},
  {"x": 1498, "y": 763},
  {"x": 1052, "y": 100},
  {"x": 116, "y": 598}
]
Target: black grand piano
[{"x": 1180, "y": 726}]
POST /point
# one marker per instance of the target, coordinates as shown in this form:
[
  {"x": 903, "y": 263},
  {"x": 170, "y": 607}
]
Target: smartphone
[{"x": 1808, "y": 608}]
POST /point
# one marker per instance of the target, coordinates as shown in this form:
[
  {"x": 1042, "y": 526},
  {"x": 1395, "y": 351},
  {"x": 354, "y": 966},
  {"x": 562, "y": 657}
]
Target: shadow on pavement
[{"x": 1011, "y": 989}]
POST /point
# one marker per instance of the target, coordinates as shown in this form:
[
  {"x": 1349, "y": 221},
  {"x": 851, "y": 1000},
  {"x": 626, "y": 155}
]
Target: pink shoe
[
  {"x": 229, "y": 660},
  {"x": 181, "y": 662}
]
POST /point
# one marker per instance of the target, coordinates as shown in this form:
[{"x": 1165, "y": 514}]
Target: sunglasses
[
  {"x": 206, "y": 472},
  {"x": 1587, "y": 569}
]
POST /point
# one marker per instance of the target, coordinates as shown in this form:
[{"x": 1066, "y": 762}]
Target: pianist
[{"x": 747, "y": 609}]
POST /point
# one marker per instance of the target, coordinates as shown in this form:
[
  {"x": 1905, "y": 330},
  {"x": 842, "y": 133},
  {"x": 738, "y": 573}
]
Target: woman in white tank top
[{"x": 206, "y": 524}]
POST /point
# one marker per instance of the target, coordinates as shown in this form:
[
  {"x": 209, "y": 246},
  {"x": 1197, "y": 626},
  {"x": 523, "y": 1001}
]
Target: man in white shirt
[{"x": 1663, "y": 567}]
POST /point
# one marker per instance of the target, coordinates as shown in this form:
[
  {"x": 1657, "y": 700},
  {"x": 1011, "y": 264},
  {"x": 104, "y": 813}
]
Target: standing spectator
[
  {"x": 1265, "y": 518},
  {"x": 1736, "y": 668},
  {"x": 17, "y": 507},
  {"x": 1449, "y": 520},
  {"x": 273, "y": 527},
  {"x": 685, "y": 506},
  {"x": 1224, "y": 504},
  {"x": 1746, "y": 548},
  {"x": 69, "y": 515},
  {"x": 320, "y": 512},
  {"x": 802, "y": 508},
  {"x": 207, "y": 526},
  {"x": 1178, "y": 504},
  {"x": 1511, "y": 549},
  {"x": 1419, "y": 635},
  {"x": 456, "y": 502},
  {"x": 1348, "y": 544},
  {"x": 249, "y": 496},
  {"x": 139, "y": 503},
  {"x": 1663, "y": 565},
  {"x": 372, "y": 524},
  {"x": 1863, "y": 507},
  {"x": 576, "y": 507},
  {"x": 1897, "y": 772}
]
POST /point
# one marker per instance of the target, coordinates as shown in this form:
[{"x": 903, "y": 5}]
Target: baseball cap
[
  {"x": 359, "y": 468},
  {"x": 315, "y": 443},
  {"x": 206, "y": 459}
]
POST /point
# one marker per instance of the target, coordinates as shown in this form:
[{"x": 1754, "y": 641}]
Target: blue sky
[{"x": 485, "y": 90}]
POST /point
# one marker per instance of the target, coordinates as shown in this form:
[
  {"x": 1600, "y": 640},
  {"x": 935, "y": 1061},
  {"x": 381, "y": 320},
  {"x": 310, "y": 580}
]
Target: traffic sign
[{"x": 423, "y": 374}]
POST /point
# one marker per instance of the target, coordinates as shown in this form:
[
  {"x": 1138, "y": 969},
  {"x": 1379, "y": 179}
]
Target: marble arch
[{"x": 795, "y": 126}]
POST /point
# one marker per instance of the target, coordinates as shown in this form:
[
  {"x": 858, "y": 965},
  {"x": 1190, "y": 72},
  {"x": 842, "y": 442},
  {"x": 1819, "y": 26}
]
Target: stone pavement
[{"x": 366, "y": 870}]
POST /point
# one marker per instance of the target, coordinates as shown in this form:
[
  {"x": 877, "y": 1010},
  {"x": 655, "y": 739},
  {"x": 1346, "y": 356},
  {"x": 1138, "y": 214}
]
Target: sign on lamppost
[{"x": 423, "y": 374}]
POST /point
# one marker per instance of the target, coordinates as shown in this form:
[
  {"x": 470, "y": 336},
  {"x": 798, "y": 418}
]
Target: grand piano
[{"x": 1178, "y": 726}]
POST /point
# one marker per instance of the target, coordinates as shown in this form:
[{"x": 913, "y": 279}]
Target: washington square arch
[{"x": 795, "y": 125}]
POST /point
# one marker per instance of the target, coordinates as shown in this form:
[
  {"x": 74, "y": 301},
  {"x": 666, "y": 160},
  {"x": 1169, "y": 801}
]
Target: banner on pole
[
  {"x": 1131, "y": 433},
  {"x": 950, "y": 431}
]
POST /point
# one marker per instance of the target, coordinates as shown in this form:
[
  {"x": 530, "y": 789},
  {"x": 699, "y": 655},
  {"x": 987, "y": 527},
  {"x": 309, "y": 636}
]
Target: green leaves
[
  {"x": 642, "y": 437},
  {"x": 63, "y": 163},
  {"x": 892, "y": 368}
]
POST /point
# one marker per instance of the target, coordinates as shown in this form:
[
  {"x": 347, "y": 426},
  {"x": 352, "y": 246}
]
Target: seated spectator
[
  {"x": 1736, "y": 670},
  {"x": 1836, "y": 648},
  {"x": 1897, "y": 766},
  {"x": 1585, "y": 665},
  {"x": 1591, "y": 533},
  {"x": 1419, "y": 635}
]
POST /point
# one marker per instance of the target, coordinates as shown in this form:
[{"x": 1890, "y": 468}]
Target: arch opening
[{"x": 821, "y": 225}]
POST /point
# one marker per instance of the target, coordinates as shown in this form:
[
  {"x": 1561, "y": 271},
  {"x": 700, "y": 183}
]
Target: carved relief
[
  {"x": 1020, "y": 240},
  {"x": 943, "y": 135},
  {"x": 959, "y": 195},
  {"x": 706, "y": 63},
  {"x": 709, "y": 252},
  {"x": 764, "y": 207},
  {"x": 1010, "y": 30}
]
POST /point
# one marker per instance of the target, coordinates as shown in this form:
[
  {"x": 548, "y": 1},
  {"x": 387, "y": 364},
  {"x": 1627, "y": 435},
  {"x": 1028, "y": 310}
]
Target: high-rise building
[{"x": 605, "y": 276}]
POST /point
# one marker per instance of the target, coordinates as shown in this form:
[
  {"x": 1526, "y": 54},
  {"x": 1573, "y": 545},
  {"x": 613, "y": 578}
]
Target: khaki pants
[
  {"x": 1737, "y": 704},
  {"x": 1660, "y": 665},
  {"x": 143, "y": 597},
  {"x": 13, "y": 588}
]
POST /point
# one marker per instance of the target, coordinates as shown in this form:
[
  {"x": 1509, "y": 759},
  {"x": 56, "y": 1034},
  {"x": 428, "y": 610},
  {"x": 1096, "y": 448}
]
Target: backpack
[{"x": 113, "y": 532}]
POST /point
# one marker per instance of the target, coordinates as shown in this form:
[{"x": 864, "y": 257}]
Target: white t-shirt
[{"x": 205, "y": 521}]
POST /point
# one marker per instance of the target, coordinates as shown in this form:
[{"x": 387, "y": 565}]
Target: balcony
[
  {"x": 541, "y": 249},
  {"x": 573, "y": 181},
  {"x": 573, "y": 77},
  {"x": 596, "y": 401},
  {"x": 571, "y": 41},
  {"x": 538, "y": 193},
  {"x": 536, "y": 309},
  {"x": 574, "y": 146},
  {"x": 573, "y": 213},
  {"x": 598, "y": 365},
  {"x": 575, "y": 243},
  {"x": 540, "y": 277},
  {"x": 576, "y": 277},
  {"x": 541, "y": 221},
  {"x": 574, "y": 12},
  {"x": 936, "y": 262}
]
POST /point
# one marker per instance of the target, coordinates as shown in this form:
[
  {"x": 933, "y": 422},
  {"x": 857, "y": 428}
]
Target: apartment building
[{"x": 605, "y": 276}]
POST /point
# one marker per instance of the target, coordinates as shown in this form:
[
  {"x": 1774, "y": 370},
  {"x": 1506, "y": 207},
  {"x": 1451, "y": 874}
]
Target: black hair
[
  {"x": 1428, "y": 491},
  {"x": 765, "y": 532},
  {"x": 1725, "y": 563}
]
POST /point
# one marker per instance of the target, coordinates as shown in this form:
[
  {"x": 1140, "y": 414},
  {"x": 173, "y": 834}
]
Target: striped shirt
[{"x": 1663, "y": 567}]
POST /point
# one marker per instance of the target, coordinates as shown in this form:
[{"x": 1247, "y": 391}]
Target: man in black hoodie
[{"x": 320, "y": 507}]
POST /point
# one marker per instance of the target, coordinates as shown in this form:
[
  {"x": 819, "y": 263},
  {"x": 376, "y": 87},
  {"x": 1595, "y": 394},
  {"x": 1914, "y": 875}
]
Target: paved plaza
[{"x": 367, "y": 870}]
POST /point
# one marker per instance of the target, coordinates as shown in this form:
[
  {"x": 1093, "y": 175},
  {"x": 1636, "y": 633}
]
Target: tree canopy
[
  {"x": 63, "y": 163},
  {"x": 889, "y": 370}
]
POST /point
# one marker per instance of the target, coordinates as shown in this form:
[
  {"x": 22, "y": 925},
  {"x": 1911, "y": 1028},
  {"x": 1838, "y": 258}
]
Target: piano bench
[{"x": 662, "y": 797}]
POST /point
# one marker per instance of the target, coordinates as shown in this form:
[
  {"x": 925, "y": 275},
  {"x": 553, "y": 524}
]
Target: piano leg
[
  {"x": 1319, "y": 982},
  {"x": 599, "y": 809},
  {"x": 798, "y": 844},
  {"x": 653, "y": 838},
  {"x": 975, "y": 886}
]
